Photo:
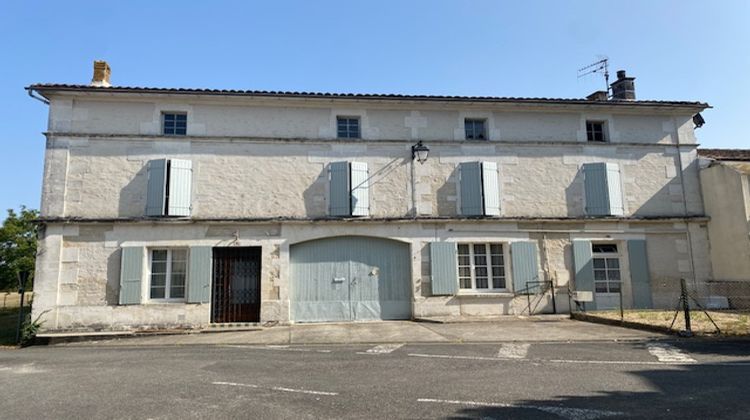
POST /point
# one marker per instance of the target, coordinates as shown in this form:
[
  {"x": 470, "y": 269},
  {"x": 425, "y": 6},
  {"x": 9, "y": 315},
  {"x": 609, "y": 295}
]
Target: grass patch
[
  {"x": 8, "y": 324},
  {"x": 731, "y": 323}
]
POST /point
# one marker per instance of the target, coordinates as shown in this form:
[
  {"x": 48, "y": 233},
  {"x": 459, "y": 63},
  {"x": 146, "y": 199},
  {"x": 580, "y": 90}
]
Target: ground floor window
[
  {"x": 606, "y": 268},
  {"x": 481, "y": 267},
  {"x": 168, "y": 273}
]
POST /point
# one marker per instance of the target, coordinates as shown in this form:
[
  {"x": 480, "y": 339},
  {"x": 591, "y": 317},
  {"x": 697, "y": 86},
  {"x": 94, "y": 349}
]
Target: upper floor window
[
  {"x": 596, "y": 131},
  {"x": 168, "y": 273},
  {"x": 348, "y": 128},
  {"x": 174, "y": 124},
  {"x": 476, "y": 129}
]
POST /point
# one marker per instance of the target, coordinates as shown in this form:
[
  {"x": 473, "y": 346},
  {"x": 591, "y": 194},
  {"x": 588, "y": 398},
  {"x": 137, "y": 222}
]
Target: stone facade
[{"x": 260, "y": 178}]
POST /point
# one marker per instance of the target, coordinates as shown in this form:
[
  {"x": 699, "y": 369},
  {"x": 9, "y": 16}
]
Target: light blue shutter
[
  {"x": 340, "y": 200},
  {"x": 131, "y": 273},
  {"x": 640, "y": 279},
  {"x": 584, "y": 278},
  {"x": 614, "y": 190},
  {"x": 471, "y": 189},
  {"x": 360, "y": 179},
  {"x": 444, "y": 267},
  {"x": 490, "y": 189},
  {"x": 180, "y": 185},
  {"x": 525, "y": 267},
  {"x": 597, "y": 193},
  {"x": 156, "y": 194},
  {"x": 199, "y": 274}
]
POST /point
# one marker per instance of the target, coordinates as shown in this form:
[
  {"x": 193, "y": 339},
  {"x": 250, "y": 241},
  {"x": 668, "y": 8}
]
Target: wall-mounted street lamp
[{"x": 420, "y": 152}]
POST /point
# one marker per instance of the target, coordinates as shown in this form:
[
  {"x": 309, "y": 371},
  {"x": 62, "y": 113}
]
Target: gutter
[{"x": 38, "y": 96}]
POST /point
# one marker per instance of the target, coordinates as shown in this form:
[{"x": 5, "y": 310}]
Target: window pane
[
  {"x": 613, "y": 263},
  {"x": 481, "y": 271},
  {"x": 179, "y": 254},
  {"x": 601, "y": 287},
  {"x": 496, "y": 249},
  {"x": 169, "y": 117},
  {"x": 600, "y": 274},
  {"x": 602, "y": 248},
  {"x": 482, "y": 283},
  {"x": 159, "y": 267},
  {"x": 498, "y": 282},
  {"x": 158, "y": 280},
  {"x": 181, "y": 117},
  {"x": 614, "y": 274},
  {"x": 498, "y": 271},
  {"x": 463, "y": 249},
  {"x": 159, "y": 255},
  {"x": 464, "y": 271},
  {"x": 177, "y": 292},
  {"x": 466, "y": 283},
  {"x": 497, "y": 260},
  {"x": 614, "y": 287},
  {"x": 157, "y": 293},
  {"x": 599, "y": 263},
  {"x": 480, "y": 249},
  {"x": 480, "y": 260}
]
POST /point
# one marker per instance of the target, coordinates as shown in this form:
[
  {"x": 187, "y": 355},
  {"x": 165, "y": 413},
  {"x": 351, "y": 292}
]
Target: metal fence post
[{"x": 685, "y": 307}]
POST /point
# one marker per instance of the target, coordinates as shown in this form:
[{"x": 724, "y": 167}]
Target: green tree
[{"x": 17, "y": 246}]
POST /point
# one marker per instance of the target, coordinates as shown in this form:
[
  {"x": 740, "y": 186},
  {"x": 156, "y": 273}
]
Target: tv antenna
[{"x": 601, "y": 66}]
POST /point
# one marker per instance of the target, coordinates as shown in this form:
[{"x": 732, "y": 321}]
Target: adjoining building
[
  {"x": 725, "y": 182},
  {"x": 192, "y": 207}
]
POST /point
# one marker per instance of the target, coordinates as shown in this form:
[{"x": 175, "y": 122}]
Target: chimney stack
[
  {"x": 599, "y": 95},
  {"x": 101, "y": 74},
  {"x": 623, "y": 89}
]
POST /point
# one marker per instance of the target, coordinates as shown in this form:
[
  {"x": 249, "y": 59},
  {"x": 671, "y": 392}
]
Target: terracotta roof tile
[{"x": 725, "y": 154}]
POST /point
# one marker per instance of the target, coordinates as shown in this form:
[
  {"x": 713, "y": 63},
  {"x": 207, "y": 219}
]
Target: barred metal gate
[{"x": 236, "y": 280}]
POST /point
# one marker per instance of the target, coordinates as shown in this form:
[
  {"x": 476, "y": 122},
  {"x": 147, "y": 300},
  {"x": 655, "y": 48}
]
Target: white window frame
[
  {"x": 168, "y": 280},
  {"x": 484, "y": 133},
  {"x": 606, "y": 256},
  {"x": 472, "y": 268},
  {"x": 605, "y": 133},
  {"x": 349, "y": 117}
]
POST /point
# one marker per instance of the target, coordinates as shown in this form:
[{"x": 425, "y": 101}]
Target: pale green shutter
[
  {"x": 614, "y": 190},
  {"x": 490, "y": 189},
  {"x": 340, "y": 198},
  {"x": 603, "y": 189},
  {"x": 131, "y": 273},
  {"x": 444, "y": 267},
  {"x": 360, "y": 184},
  {"x": 471, "y": 189},
  {"x": 584, "y": 278},
  {"x": 199, "y": 274},
  {"x": 640, "y": 279},
  {"x": 525, "y": 267},
  {"x": 180, "y": 184},
  {"x": 597, "y": 193},
  {"x": 156, "y": 194}
]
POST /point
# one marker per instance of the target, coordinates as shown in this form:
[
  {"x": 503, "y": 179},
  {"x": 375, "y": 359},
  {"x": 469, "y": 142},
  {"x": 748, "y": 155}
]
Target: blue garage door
[{"x": 350, "y": 278}]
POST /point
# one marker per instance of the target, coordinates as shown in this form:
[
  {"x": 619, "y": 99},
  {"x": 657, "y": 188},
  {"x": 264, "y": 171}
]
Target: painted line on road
[
  {"x": 384, "y": 348},
  {"x": 568, "y": 413},
  {"x": 277, "y": 388},
  {"x": 591, "y": 362},
  {"x": 668, "y": 353},
  {"x": 273, "y": 347},
  {"x": 513, "y": 351}
]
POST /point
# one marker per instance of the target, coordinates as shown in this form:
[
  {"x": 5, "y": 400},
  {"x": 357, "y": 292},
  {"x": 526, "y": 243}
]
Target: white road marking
[
  {"x": 568, "y": 413},
  {"x": 272, "y": 347},
  {"x": 384, "y": 348},
  {"x": 277, "y": 388},
  {"x": 592, "y": 362},
  {"x": 666, "y": 353},
  {"x": 513, "y": 351}
]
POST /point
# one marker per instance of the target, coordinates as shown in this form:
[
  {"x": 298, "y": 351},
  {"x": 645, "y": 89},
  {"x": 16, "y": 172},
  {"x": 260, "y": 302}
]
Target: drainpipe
[
  {"x": 37, "y": 96},
  {"x": 684, "y": 202}
]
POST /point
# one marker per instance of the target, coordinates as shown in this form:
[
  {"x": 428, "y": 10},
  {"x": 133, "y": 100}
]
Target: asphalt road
[{"x": 510, "y": 380}]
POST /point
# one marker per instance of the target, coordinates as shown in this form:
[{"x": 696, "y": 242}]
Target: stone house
[
  {"x": 725, "y": 182},
  {"x": 194, "y": 207}
]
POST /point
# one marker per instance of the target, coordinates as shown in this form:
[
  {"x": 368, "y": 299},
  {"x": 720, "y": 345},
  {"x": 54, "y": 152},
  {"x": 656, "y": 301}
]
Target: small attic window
[{"x": 596, "y": 131}]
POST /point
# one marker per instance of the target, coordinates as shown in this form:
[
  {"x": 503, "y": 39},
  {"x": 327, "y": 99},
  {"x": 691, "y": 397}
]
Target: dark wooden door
[{"x": 236, "y": 292}]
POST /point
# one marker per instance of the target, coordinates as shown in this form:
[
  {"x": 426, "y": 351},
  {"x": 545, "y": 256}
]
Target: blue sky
[{"x": 677, "y": 50}]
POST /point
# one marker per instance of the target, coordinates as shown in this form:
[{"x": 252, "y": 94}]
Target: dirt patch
[{"x": 734, "y": 323}]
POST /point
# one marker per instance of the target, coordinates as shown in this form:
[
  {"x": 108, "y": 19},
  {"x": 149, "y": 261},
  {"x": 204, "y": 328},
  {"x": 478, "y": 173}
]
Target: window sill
[{"x": 503, "y": 294}]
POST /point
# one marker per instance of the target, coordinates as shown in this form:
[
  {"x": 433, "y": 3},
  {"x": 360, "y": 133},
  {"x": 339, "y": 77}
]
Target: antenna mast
[{"x": 601, "y": 66}]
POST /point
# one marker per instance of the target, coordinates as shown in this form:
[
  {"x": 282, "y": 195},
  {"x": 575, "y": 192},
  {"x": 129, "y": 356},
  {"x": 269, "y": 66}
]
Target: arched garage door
[{"x": 350, "y": 278}]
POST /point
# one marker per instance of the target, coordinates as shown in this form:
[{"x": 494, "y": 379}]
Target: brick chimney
[
  {"x": 623, "y": 89},
  {"x": 101, "y": 74},
  {"x": 599, "y": 95}
]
